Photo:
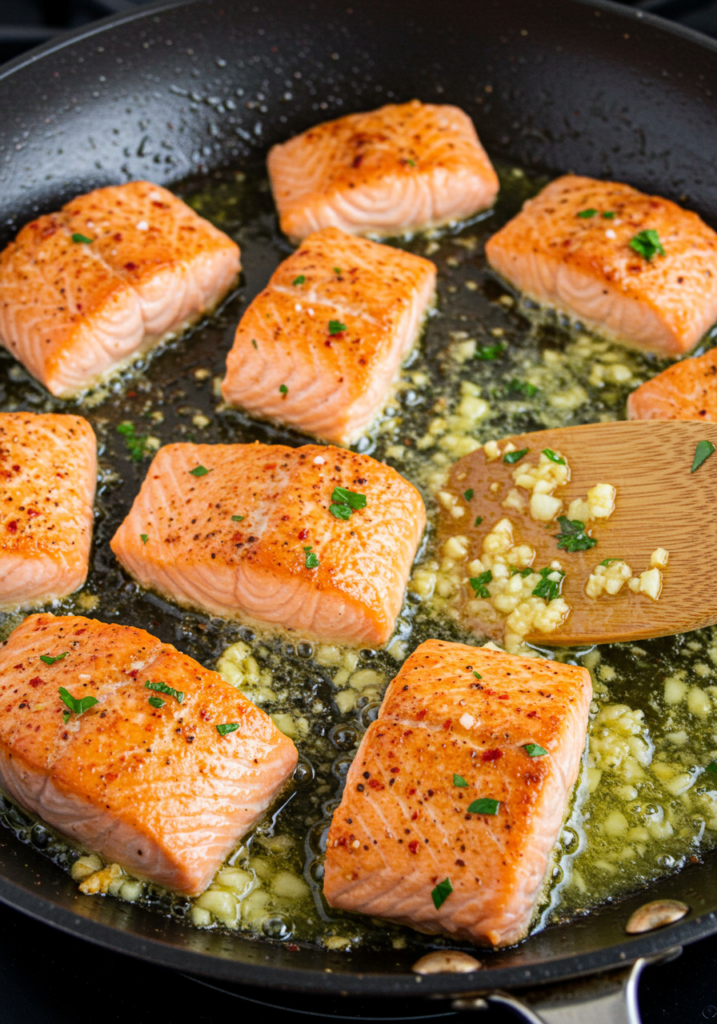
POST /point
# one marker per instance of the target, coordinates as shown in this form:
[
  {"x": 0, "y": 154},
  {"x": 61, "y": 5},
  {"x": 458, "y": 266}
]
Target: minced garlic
[
  {"x": 650, "y": 581},
  {"x": 541, "y": 481},
  {"x": 608, "y": 578},
  {"x": 599, "y": 504}
]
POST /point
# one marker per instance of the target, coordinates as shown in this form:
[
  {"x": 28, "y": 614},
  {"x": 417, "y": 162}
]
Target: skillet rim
[{"x": 331, "y": 981}]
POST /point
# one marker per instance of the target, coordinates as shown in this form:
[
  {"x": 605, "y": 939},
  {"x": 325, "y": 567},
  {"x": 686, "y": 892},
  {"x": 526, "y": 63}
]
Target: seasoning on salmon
[
  {"x": 458, "y": 791},
  {"x": 131, "y": 771},
  {"x": 635, "y": 268},
  {"x": 405, "y": 167},
  {"x": 48, "y": 472},
  {"x": 113, "y": 274},
  {"x": 684, "y": 391},
  {"x": 321, "y": 345},
  {"x": 314, "y": 539}
]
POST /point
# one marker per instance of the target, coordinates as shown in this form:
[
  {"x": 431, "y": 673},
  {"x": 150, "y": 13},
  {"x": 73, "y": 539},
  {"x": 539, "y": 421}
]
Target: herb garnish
[
  {"x": 491, "y": 351},
  {"x": 226, "y": 727},
  {"x": 479, "y": 520},
  {"x": 512, "y": 457},
  {"x": 712, "y": 768},
  {"x": 336, "y": 327},
  {"x": 479, "y": 583},
  {"x": 312, "y": 559},
  {"x": 534, "y": 750},
  {"x": 702, "y": 452},
  {"x": 523, "y": 387},
  {"x": 459, "y": 781},
  {"x": 647, "y": 244},
  {"x": 337, "y": 270},
  {"x": 284, "y": 390},
  {"x": 477, "y": 675},
  {"x": 468, "y": 494},
  {"x": 606, "y": 561},
  {"x": 346, "y": 502},
  {"x": 553, "y": 456},
  {"x": 523, "y": 572},
  {"x": 49, "y": 660},
  {"x": 199, "y": 471},
  {"x": 585, "y": 214},
  {"x": 547, "y": 588},
  {"x": 77, "y": 707},
  {"x": 253, "y": 341},
  {"x": 143, "y": 537},
  {"x": 572, "y": 536},
  {"x": 237, "y": 519},
  {"x": 136, "y": 445},
  {"x": 156, "y": 702},
  {"x": 484, "y": 806},
  {"x": 163, "y": 688},
  {"x": 608, "y": 214},
  {"x": 411, "y": 163},
  {"x": 82, "y": 238},
  {"x": 299, "y": 280},
  {"x": 441, "y": 893}
]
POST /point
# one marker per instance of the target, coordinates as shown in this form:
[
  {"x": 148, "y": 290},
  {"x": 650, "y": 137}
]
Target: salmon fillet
[
  {"x": 685, "y": 391},
  {"x": 320, "y": 347},
  {"x": 156, "y": 788},
  {"x": 113, "y": 274},
  {"x": 48, "y": 472},
  {"x": 405, "y": 167},
  {"x": 253, "y": 537},
  {"x": 453, "y": 729},
  {"x": 562, "y": 251}
]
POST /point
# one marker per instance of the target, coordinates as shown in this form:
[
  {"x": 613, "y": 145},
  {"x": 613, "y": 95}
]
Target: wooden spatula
[{"x": 660, "y": 503}]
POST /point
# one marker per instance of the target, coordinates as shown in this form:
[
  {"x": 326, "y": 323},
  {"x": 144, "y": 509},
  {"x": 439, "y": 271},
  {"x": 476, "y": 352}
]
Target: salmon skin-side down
[
  {"x": 48, "y": 473},
  {"x": 313, "y": 539},
  {"x": 111, "y": 275},
  {"x": 684, "y": 391},
  {"x": 142, "y": 777},
  {"x": 570, "y": 249},
  {"x": 410, "y": 841},
  {"x": 405, "y": 167},
  {"x": 320, "y": 346}
]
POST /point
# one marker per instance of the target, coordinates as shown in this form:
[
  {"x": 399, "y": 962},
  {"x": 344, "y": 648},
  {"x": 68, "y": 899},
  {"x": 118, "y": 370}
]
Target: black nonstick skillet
[{"x": 551, "y": 84}]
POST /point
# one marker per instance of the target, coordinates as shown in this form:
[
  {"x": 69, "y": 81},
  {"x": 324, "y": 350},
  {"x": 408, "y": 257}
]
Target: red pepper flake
[
  {"x": 303, "y": 534},
  {"x": 448, "y": 723},
  {"x": 395, "y": 771},
  {"x": 12, "y": 526},
  {"x": 36, "y": 681},
  {"x": 492, "y": 755},
  {"x": 422, "y": 713},
  {"x": 414, "y": 815},
  {"x": 532, "y": 714},
  {"x": 19, "y": 666},
  {"x": 16, "y": 469},
  {"x": 32, "y": 513},
  {"x": 375, "y": 784},
  {"x": 130, "y": 266},
  {"x": 413, "y": 846}
]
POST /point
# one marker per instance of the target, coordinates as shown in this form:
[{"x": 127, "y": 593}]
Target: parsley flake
[
  {"x": 477, "y": 675},
  {"x": 553, "y": 456},
  {"x": 411, "y": 163},
  {"x": 468, "y": 494},
  {"x": 253, "y": 341},
  {"x": 484, "y": 806},
  {"x": 136, "y": 445},
  {"x": 163, "y": 688},
  {"x": 49, "y": 660},
  {"x": 479, "y": 520},
  {"x": 572, "y": 536},
  {"x": 82, "y": 239},
  {"x": 337, "y": 270},
  {"x": 77, "y": 707},
  {"x": 608, "y": 214},
  {"x": 340, "y": 511},
  {"x": 586, "y": 214},
  {"x": 712, "y": 768},
  {"x": 522, "y": 387},
  {"x": 237, "y": 519},
  {"x": 226, "y": 727},
  {"x": 336, "y": 327},
  {"x": 143, "y": 537},
  {"x": 479, "y": 583},
  {"x": 702, "y": 452},
  {"x": 441, "y": 893},
  {"x": 512, "y": 457},
  {"x": 283, "y": 390},
  {"x": 299, "y": 280},
  {"x": 66, "y": 716},
  {"x": 647, "y": 244},
  {"x": 199, "y": 471},
  {"x": 534, "y": 750},
  {"x": 156, "y": 702},
  {"x": 459, "y": 781},
  {"x": 492, "y": 351},
  {"x": 547, "y": 588},
  {"x": 346, "y": 502},
  {"x": 606, "y": 561},
  {"x": 312, "y": 559}
]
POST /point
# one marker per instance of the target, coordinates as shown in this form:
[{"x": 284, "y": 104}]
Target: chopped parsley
[
  {"x": 712, "y": 768},
  {"x": 226, "y": 727},
  {"x": 608, "y": 214},
  {"x": 441, "y": 893},
  {"x": 299, "y": 280},
  {"x": 586, "y": 214},
  {"x": 572, "y": 536},
  {"x": 468, "y": 494},
  {"x": 283, "y": 390},
  {"x": 49, "y": 660},
  {"x": 237, "y": 519},
  {"x": 459, "y": 781},
  {"x": 336, "y": 327},
  {"x": 484, "y": 806},
  {"x": 253, "y": 341},
  {"x": 647, "y": 244},
  {"x": 77, "y": 707},
  {"x": 523, "y": 572},
  {"x": 512, "y": 457},
  {"x": 312, "y": 559},
  {"x": 492, "y": 351},
  {"x": 534, "y": 750},
  {"x": 411, "y": 163},
  {"x": 199, "y": 471},
  {"x": 479, "y": 583},
  {"x": 606, "y": 561},
  {"x": 547, "y": 588},
  {"x": 82, "y": 239},
  {"x": 553, "y": 456},
  {"x": 702, "y": 452},
  {"x": 341, "y": 511},
  {"x": 522, "y": 387},
  {"x": 136, "y": 445},
  {"x": 143, "y": 537},
  {"x": 479, "y": 520},
  {"x": 156, "y": 702},
  {"x": 337, "y": 270},
  {"x": 346, "y": 502},
  {"x": 163, "y": 688},
  {"x": 477, "y": 675}
]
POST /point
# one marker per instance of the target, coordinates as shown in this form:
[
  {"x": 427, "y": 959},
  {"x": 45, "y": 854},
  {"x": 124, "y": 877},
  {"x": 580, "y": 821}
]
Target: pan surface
[{"x": 192, "y": 88}]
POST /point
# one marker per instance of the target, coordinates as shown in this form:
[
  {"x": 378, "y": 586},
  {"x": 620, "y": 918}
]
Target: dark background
[{"x": 50, "y": 978}]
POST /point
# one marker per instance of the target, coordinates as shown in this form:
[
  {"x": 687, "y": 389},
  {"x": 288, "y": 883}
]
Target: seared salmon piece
[
  {"x": 48, "y": 472},
  {"x": 405, "y": 167},
  {"x": 113, "y": 274},
  {"x": 321, "y": 346},
  {"x": 458, "y": 725},
  {"x": 684, "y": 391},
  {"x": 142, "y": 777},
  {"x": 570, "y": 248},
  {"x": 260, "y": 532}
]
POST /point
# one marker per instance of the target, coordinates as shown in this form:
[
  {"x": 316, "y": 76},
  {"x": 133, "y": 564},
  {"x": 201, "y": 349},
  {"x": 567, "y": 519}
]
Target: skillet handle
[{"x": 614, "y": 1003}]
